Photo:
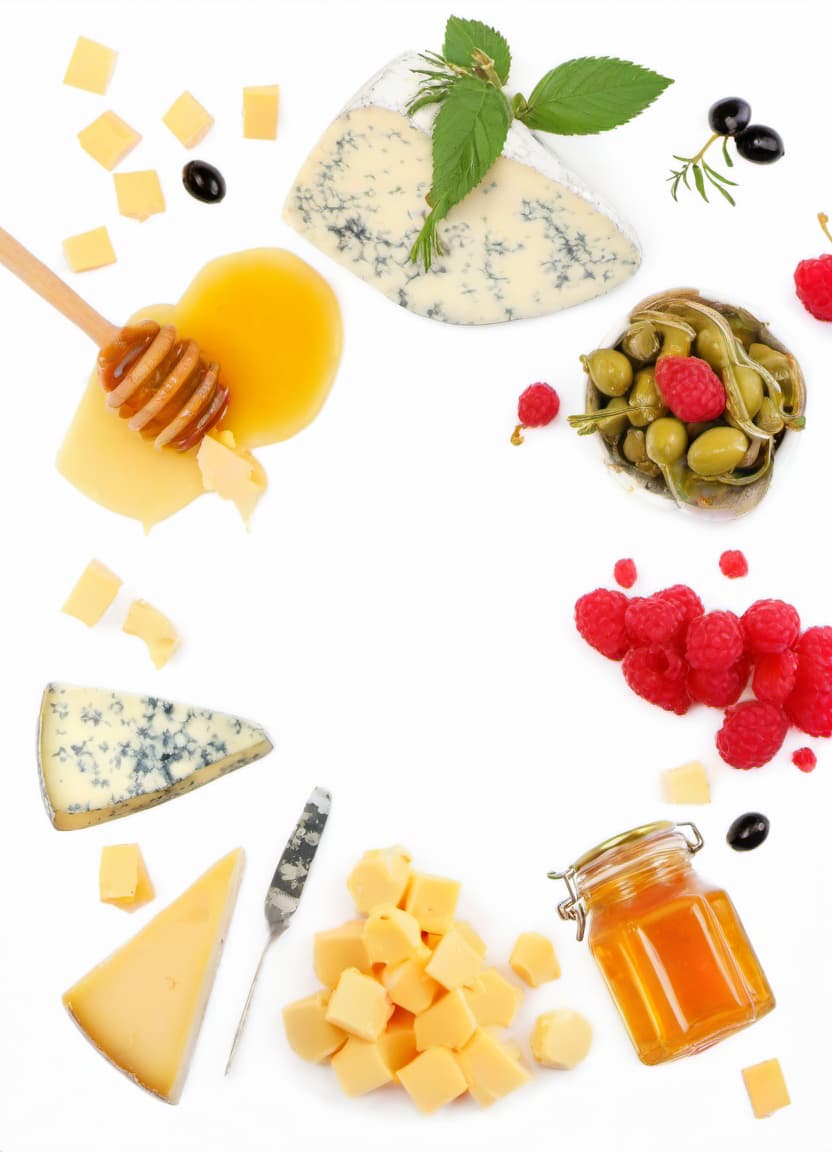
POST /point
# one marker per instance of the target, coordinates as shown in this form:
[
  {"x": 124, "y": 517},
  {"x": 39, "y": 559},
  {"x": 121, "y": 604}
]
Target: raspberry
[
  {"x": 733, "y": 564},
  {"x": 686, "y": 599},
  {"x": 770, "y": 626},
  {"x": 690, "y": 388},
  {"x": 774, "y": 676},
  {"x": 814, "y": 659},
  {"x": 658, "y": 674},
  {"x": 810, "y": 710},
  {"x": 804, "y": 759},
  {"x": 599, "y": 617},
  {"x": 652, "y": 620},
  {"x": 715, "y": 641},
  {"x": 625, "y": 573},
  {"x": 719, "y": 688},
  {"x": 813, "y": 285},
  {"x": 538, "y": 406},
  {"x": 751, "y": 734}
]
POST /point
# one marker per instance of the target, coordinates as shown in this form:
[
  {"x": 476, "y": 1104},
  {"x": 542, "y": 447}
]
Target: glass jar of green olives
[{"x": 723, "y": 465}]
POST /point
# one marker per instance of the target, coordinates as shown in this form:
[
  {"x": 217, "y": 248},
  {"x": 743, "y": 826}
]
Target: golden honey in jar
[{"x": 670, "y": 945}]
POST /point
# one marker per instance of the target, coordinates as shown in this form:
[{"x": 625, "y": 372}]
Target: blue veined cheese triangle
[
  {"x": 103, "y": 754},
  {"x": 530, "y": 240}
]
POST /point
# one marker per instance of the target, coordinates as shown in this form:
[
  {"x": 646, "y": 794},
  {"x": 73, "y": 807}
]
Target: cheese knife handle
[{"x": 243, "y": 1016}]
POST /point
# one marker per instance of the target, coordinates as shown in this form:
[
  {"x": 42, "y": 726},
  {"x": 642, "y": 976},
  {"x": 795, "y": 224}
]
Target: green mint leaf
[
  {"x": 464, "y": 37},
  {"x": 469, "y": 132},
  {"x": 591, "y": 94}
]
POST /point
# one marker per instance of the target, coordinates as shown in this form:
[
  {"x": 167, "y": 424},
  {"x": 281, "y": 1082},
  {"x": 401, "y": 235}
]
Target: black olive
[
  {"x": 759, "y": 144},
  {"x": 748, "y": 831},
  {"x": 729, "y": 116},
  {"x": 203, "y": 181}
]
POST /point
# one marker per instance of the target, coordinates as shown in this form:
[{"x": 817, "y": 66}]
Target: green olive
[
  {"x": 612, "y": 426},
  {"x": 666, "y": 440},
  {"x": 710, "y": 346},
  {"x": 750, "y": 385},
  {"x": 769, "y": 418},
  {"x": 645, "y": 395},
  {"x": 610, "y": 371},
  {"x": 717, "y": 451},
  {"x": 776, "y": 362},
  {"x": 675, "y": 342},
  {"x": 633, "y": 447},
  {"x": 640, "y": 341}
]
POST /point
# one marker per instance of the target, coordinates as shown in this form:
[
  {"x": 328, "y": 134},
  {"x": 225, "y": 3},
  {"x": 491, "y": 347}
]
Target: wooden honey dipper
[{"x": 159, "y": 384}]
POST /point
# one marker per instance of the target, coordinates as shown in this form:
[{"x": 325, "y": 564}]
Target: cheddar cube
[
  {"x": 391, "y": 935},
  {"x": 108, "y": 140},
  {"x": 122, "y": 877},
  {"x": 409, "y": 986},
  {"x": 359, "y": 1005},
  {"x": 93, "y": 594},
  {"x": 309, "y": 1032},
  {"x": 561, "y": 1039},
  {"x": 360, "y": 1067},
  {"x": 89, "y": 250},
  {"x": 473, "y": 938},
  {"x": 139, "y": 194},
  {"x": 766, "y": 1088},
  {"x": 533, "y": 959},
  {"x": 493, "y": 999},
  {"x": 433, "y": 1080},
  {"x": 449, "y": 1023},
  {"x": 397, "y": 1043},
  {"x": 454, "y": 963},
  {"x": 188, "y": 120},
  {"x": 90, "y": 66},
  {"x": 687, "y": 784},
  {"x": 148, "y": 623},
  {"x": 380, "y": 877},
  {"x": 260, "y": 105},
  {"x": 491, "y": 1070},
  {"x": 338, "y": 949},
  {"x": 432, "y": 900},
  {"x": 233, "y": 473}
]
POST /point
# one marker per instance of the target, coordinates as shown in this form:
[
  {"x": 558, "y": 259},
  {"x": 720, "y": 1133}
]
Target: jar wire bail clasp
[{"x": 573, "y": 907}]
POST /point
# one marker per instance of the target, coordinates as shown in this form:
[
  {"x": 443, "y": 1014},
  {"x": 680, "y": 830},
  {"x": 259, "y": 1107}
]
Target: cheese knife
[{"x": 287, "y": 884}]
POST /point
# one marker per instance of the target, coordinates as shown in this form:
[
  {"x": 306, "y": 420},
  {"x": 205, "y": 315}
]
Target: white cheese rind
[
  {"x": 529, "y": 240},
  {"x": 103, "y": 754}
]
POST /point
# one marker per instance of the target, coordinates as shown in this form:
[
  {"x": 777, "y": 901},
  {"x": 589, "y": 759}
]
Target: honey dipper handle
[{"x": 43, "y": 281}]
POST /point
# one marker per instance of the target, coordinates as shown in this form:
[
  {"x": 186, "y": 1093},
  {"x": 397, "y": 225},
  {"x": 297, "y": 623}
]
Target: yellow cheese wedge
[
  {"x": 108, "y": 139},
  {"x": 123, "y": 878},
  {"x": 142, "y": 1007},
  {"x": 188, "y": 120},
  {"x": 139, "y": 194},
  {"x": 90, "y": 66},
  {"x": 93, "y": 594},
  {"x": 150, "y": 625},
  {"x": 260, "y": 106},
  {"x": 89, "y": 250}
]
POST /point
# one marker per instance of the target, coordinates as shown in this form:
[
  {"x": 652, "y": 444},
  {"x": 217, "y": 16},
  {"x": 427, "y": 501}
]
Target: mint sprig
[{"x": 581, "y": 97}]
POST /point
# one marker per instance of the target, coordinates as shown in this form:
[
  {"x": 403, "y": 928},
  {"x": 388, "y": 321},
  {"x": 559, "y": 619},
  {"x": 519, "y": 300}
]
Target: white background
[{"x": 400, "y": 617}]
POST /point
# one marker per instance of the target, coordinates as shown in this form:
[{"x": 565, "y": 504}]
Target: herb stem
[
  {"x": 823, "y": 220},
  {"x": 695, "y": 159}
]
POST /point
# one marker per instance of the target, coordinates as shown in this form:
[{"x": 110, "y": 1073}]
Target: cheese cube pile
[{"x": 407, "y": 997}]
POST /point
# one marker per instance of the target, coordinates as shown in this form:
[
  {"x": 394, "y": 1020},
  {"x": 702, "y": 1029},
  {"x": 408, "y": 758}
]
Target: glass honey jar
[{"x": 670, "y": 945}]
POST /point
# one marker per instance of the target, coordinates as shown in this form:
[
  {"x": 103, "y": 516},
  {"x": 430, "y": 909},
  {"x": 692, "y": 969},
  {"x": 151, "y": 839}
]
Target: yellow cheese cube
[
  {"x": 454, "y": 963},
  {"x": 449, "y": 1023},
  {"x": 473, "y": 938},
  {"x": 687, "y": 784},
  {"x": 122, "y": 877},
  {"x": 188, "y": 120},
  {"x": 433, "y": 1080},
  {"x": 533, "y": 959},
  {"x": 380, "y": 877},
  {"x": 766, "y": 1087},
  {"x": 359, "y": 1005},
  {"x": 397, "y": 1043},
  {"x": 108, "y": 140},
  {"x": 511, "y": 1047},
  {"x": 139, "y": 194},
  {"x": 561, "y": 1039},
  {"x": 95, "y": 591},
  {"x": 391, "y": 935},
  {"x": 432, "y": 900},
  {"x": 148, "y": 623},
  {"x": 308, "y": 1031},
  {"x": 260, "y": 105},
  {"x": 338, "y": 949},
  {"x": 89, "y": 250},
  {"x": 231, "y": 472},
  {"x": 408, "y": 985},
  {"x": 90, "y": 66},
  {"x": 493, "y": 999},
  {"x": 360, "y": 1067},
  {"x": 491, "y": 1070}
]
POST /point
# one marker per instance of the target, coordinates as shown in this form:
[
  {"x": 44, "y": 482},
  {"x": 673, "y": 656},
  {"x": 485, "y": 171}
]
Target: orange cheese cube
[
  {"x": 766, "y": 1088},
  {"x": 473, "y": 938},
  {"x": 493, "y": 999},
  {"x": 561, "y": 1039},
  {"x": 338, "y": 949},
  {"x": 95, "y": 591},
  {"x": 432, "y": 900},
  {"x": 391, "y": 935},
  {"x": 454, "y": 963},
  {"x": 89, "y": 250},
  {"x": 433, "y": 1080},
  {"x": 122, "y": 877},
  {"x": 260, "y": 106},
  {"x": 188, "y": 120},
  {"x": 359, "y": 1005},
  {"x": 108, "y": 140},
  {"x": 308, "y": 1031},
  {"x": 533, "y": 959},
  {"x": 148, "y": 623},
  {"x": 397, "y": 1043},
  {"x": 360, "y": 1067},
  {"x": 449, "y": 1023},
  {"x": 408, "y": 985},
  {"x": 491, "y": 1070},
  {"x": 90, "y": 66},
  {"x": 380, "y": 877}
]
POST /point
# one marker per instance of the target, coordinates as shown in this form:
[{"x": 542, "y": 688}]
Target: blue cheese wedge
[
  {"x": 104, "y": 754},
  {"x": 530, "y": 240}
]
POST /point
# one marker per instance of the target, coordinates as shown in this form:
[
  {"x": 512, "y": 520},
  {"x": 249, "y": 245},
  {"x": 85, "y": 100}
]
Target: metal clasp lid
[{"x": 574, "y": 907}]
